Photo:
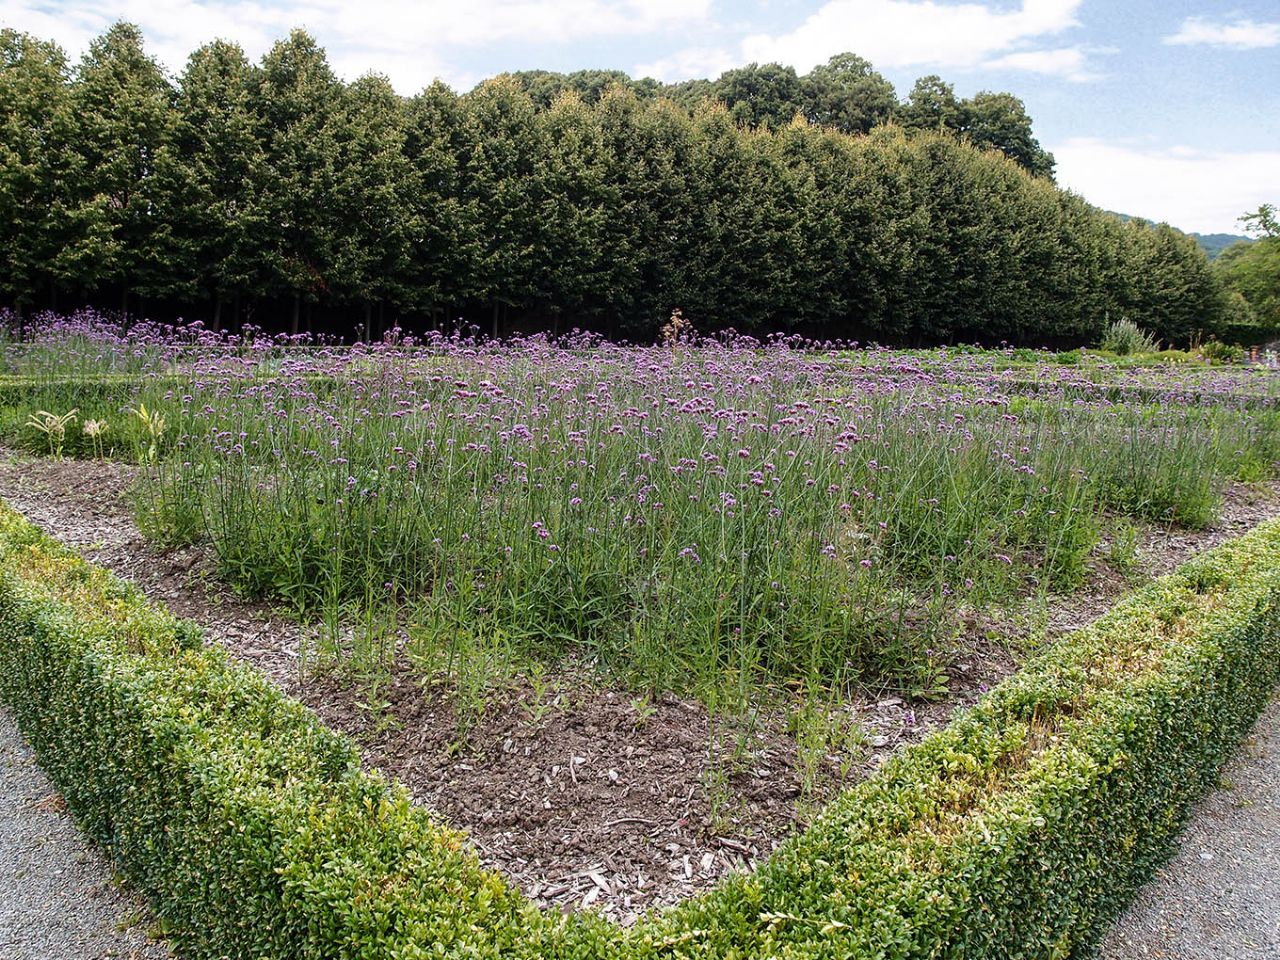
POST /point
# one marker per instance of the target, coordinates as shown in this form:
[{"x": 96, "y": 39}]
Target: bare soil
[{"x": 582, "y": 793}]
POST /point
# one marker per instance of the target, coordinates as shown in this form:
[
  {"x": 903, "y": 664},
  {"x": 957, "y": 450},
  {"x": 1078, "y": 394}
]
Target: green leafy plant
[
  {"x": 54, "y": 427},
  {"x": 1125, "y": 338},
  {"x": 154, "y": 424},
  {"x": 1122, "y": 549},
  {"x": 1219, "y": 352}
]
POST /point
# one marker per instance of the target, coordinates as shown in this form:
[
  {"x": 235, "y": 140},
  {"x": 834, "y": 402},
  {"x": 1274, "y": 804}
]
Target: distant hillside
[
  {"x": 1215, "y": 243},
  {"x": 1212, "y": 243}
]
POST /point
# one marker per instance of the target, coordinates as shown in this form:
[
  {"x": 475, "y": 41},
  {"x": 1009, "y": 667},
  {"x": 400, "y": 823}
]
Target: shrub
[
  {"x": 1218, "y": 352},
  {"x": 1124, "y": 337},
  {"x": 1019, "y": 830}
]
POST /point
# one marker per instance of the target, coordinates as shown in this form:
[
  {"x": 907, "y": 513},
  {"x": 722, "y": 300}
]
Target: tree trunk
[
  {"x": 496, "y": 307},
  {"x": 365, "y": 329},
  {"x": 124, "y": 303},
  {"x": 382, "y": 319},
  {"x": 235, "y": 312},
  {"x": 53, "y": 295},
  {"x": 309, "y": 326},
  {"x": 22, "y": 319},
  {"x": 217, "y": 311},
  {"x": 297, "y": 308}
]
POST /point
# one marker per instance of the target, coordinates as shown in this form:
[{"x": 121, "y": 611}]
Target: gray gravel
[
  {"x": 58, "y": 896},
  {"x": 1219, "y": 897}
]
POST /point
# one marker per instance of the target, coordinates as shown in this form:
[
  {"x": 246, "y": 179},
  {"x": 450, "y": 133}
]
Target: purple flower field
[{"x": 707, "y": 514}]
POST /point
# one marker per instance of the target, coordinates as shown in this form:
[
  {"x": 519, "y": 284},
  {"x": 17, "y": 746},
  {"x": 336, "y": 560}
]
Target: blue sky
[{"x": 1168, "y": 109}]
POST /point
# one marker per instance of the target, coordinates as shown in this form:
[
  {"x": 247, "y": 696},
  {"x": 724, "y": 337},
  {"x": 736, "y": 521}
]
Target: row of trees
[
  {"x": 845, "y": 93},
  {"x": 278, "y": 185}
]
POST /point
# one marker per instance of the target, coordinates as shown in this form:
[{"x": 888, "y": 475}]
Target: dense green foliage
[
  {"x": 845, "y": 94},
  {"x": 536, "y": 202},
  {"x": 1019, "y": 830},
  {"x": 1251, "y": 272}
]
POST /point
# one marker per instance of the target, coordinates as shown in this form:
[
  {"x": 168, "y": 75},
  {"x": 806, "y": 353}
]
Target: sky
[{"x": 1165, "y": 109}]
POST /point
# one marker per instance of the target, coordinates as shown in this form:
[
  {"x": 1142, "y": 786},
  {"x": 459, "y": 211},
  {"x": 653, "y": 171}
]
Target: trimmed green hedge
[{"x": 1020, "y": 830}]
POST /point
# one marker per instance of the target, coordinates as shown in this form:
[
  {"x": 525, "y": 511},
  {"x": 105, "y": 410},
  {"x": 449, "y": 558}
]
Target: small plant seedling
[
  {"x": 643, "y": 708},
  {"x": 543, "y": 695},
  {"x": 1122, "y": 551}
]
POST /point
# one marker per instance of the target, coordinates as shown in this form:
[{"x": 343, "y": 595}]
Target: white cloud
[
  {"x": 1204, "y": 191},
  {"x": 410, "y": 42},
  {"x": 1068, "y": 62},
  {"x": 688, "y": 63},
  {"x": 901, "y": 33},
  {"x": 1238, "y": 35},
  {"x": 905, "y": 33}
]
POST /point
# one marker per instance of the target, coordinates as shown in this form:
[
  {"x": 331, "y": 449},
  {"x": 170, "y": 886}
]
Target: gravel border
[
  {"x": 1219, "y": 897},
  {"x": 58, "y": 894}
]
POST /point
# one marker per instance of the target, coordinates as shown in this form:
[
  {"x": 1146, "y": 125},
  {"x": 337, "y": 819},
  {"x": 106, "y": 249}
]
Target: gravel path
[
  {"x": 58, "y": 896},
  {"x": 1219, "y": 897}
]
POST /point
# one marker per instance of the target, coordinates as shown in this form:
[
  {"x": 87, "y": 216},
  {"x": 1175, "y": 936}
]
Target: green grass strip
[{"x": 1020, "y": 830}]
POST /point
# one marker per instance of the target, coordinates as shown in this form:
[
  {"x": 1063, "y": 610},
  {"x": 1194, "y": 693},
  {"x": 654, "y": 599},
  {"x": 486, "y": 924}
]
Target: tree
[
  {"x": 50, "y": 233},
  {"x": 651, "y": 239},
  {"x": 501, "y": 146},
  {"x": 932, "y": 105},
  {"x": 1172, "y": 290},
  {"x": 745, "y": 228},
  {"x": 123, "y": 117},
  {"x": 296, "y": 101},
  {"x": 1252, "y": 270},
  {"x": 443, "y": 225},
  {"x": 992, "y": 121},
  {"x": 1262, "y": 222},
  {"x": 999, "y": 121},
  {"x": 545, "y": 87},
  {"x": 578, "y": 273},
  {"x": 373, "y": 172},
  {"x": 767, "y": 95},
  {"x": 689, "y": 94},
  {"x": 220, "y": 225},
  {"x": 847, "y": 94}
]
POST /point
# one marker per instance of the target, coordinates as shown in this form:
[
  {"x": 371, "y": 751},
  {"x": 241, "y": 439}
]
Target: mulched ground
[{"x": 583, "y": 795}]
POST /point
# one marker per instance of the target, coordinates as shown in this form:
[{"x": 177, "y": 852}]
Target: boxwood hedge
[{"x": 1018, "y": 831}]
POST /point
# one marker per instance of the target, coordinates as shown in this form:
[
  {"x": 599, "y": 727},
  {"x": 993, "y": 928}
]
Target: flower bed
[{"x": 1019, "y": 830}]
